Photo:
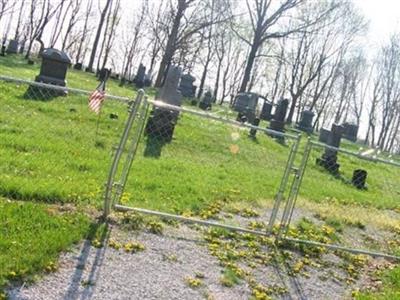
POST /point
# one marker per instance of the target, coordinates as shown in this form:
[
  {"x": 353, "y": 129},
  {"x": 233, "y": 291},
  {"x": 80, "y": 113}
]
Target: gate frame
[
  {"x": 294, "y": 191},
  {"x": 138, "y": 111}
]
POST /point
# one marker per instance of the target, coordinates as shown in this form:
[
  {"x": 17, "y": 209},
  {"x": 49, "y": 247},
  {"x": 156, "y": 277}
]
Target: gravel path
[
  {"x": 106, "y": 273},
  {"x": 162, "y": 269}
]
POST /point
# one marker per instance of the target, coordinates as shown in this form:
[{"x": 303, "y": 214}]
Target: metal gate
[{"x": 142, "y": 110}]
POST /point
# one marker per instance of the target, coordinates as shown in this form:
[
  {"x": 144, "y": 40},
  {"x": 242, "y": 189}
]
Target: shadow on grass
[{"x": 77, "y": 280}]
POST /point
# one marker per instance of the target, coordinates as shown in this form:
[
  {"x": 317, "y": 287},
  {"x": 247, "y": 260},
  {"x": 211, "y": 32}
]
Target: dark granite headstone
[
  {"x": 140, "y": 76},
  {"x": 78, "y": 66},
  {"x": 162, "y": 121},
  {"x": 266, "y": 111},
  {"x": 350, "y": 131},
  {"x": 12, "y": 47},
  {"x": 54, "y": 67},
  {"x": 324, "y": 135},
  {"x": 104, "y": 74},
  {"x": 52, "y": 71},
  {"x": 329, "y": 158},
  {"x": 278, "y": 121},
  {"x": 306, "y": 120},
  {"x": 245, "y": 104},
  {"x": 206, "y": 101},
  {"x": 359, "y": 178},
  {"x": 186, "y": 86}
]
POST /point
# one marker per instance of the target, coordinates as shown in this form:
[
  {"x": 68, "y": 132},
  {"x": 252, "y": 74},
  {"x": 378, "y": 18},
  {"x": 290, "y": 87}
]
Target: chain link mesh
[{"x": 52, "y": 147}]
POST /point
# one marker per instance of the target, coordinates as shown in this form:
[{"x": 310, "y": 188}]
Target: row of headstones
[
  {"x": 329, "y": 160},
  {"x": 162, "y": 121},
  {"x": 12, "y": 48}
]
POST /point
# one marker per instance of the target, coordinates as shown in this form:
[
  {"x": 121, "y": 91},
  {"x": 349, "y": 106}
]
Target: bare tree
[{"x": 98, "y": 33}]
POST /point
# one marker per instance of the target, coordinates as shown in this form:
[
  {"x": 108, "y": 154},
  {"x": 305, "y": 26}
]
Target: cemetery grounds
[{"x": 51, "y": 197}]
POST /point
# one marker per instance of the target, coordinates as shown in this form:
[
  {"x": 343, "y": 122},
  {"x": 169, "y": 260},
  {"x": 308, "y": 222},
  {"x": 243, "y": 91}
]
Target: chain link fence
[
  {"x": 52, "y": 147},
  {"x": 360, "y": 192},
  {"x": 188, "y": 162}
]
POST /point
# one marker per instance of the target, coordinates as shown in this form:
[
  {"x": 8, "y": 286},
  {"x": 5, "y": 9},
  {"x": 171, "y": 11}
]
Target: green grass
[
  {"x": 57, "y": 151},
  {"x": 390, "y": 287},
  {"x": 49, "y": 151},
  {"x": 32, "y": 235}
]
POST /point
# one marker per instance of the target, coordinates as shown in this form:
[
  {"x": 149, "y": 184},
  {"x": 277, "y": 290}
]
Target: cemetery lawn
[
  {"x": 57, "y": 152},
  {"x": 32, "y": 235},
  {"x": 50, "y": 152}
]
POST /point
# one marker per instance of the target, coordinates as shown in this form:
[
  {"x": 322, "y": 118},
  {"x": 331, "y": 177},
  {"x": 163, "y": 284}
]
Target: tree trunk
[
  {"x": 249, "y": 67},
  {"x": 97, "y": 38},
  {"x": 170, "y": 47}
]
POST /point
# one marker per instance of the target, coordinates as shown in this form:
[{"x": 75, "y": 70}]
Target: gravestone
[
  {"x": 147, "y": 80},
  {"x": 329, "y": 158},
  {"x": 52, "y": 71},
  {"x": 350, "y": 131},
  {"x": 278, "y": 121},
  {"x": 266, "y": 111},
  {"x": 104, "y": 74},
  {"x": 206, "y": 101},
  {"x": 245, "y": 104},
  {"x": 162, "y": 121},
  {"x": 306, "y": 120},
  {"x": 359, "y": 178},
  {"x": 3, "y": 51},
  {"x": 324, "y": 135},
  {"x": 186, "y": 86},
  {"x": 12, "y": 47},
  {"x": 54, "y": 67},
  {"x": 140, "y": 76},
  {"x": 78, "y": 66}
]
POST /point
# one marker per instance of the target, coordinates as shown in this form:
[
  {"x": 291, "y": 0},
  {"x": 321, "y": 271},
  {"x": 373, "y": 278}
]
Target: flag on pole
[{"x": 97, "y": 97}]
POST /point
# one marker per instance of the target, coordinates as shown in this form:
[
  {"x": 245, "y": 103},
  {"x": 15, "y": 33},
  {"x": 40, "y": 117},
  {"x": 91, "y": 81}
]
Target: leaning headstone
[
  {"x": 206, "y": 101},
  {"x": 329, "y": 158},
  {"x": 53, "y": 71},
  {"x": 140, "y": 76},
  {"x": 306, "y": 120},
  {"x": 324, "y": 135},
  {"x": 162, "y": 121},
  {"x": 12, "y": 47},
  {"x": 278, "y": 121},
  {"x": 350, "y": 131},
  {"x": 245, "y": 104},
  {"x": 186, "y": 86},
  {"x": 266, "y": 111}
]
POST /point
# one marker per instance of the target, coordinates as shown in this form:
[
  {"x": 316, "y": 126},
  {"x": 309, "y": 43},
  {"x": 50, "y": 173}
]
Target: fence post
[{"x": 118, "y": 153}]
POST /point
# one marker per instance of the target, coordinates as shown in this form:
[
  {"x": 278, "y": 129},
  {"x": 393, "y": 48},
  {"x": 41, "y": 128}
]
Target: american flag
[{"x": 97, "y": 97}]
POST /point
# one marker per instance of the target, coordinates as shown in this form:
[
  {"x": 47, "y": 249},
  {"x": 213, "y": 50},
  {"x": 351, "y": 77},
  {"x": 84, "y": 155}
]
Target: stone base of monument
[
  {"x": 308, "y": 130},
  {"x": 161, "y": 124},
  {"x": 253, "y": 131},
  {"x": 245, "y": 117},
  {"x": 78, "y": 66},
  {"x": 205, "y": 105},
  {"x": 329, "y": 162},
  {"x": 359, "y": 179}
]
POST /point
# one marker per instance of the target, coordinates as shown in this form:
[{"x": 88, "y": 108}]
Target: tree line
[{"x": 308, "y": 51}]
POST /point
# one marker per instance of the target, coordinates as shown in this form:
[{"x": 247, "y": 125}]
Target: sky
[{"x": 384, "y": 18}]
